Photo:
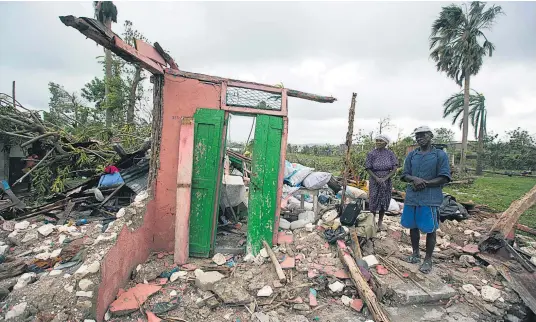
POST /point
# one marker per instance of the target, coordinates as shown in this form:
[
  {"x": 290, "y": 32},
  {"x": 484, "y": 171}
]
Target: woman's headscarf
[{"x": 384, "y": 138}]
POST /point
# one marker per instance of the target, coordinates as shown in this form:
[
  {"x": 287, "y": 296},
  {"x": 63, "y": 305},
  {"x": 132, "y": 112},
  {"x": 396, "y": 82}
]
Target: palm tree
[
  {"x": 455, "y": 105},
  {"x": 458, "y": 46},
  {"x": 106, "y": 12}
]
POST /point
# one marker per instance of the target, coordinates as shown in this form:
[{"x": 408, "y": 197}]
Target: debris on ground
[{"x": 300, "y": 279}]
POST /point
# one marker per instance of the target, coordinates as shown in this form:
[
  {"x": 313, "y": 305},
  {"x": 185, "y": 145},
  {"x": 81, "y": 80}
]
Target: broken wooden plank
[
  {"x": 147, "y": 50},
  {"x": 355, "y": 241},
  {"x": 507, "y": 221},
  {"x": 365, "y": 293},
  {"x": 144, "y": 61},
  {"x": 275, "y": 89},
  {"x": 280, "y": 274},
  {"x": 103, "y": 36},
  {"x": 526, "y": 229},
  {"x": 525, "y": 263},
  {"x": 166, "y": 56},
  {"x": 522, "y": 283},
  {"x": 111, "y": 195},
  {"x": 184, "y": 190}
]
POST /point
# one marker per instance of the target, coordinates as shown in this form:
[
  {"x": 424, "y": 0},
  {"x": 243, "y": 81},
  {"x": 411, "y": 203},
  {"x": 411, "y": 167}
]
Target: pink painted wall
[
  {"x": 130, "y": 249},
  {"x": 181, "y": 98}
]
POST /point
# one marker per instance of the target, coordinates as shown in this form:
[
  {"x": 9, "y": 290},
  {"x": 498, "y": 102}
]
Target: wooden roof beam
[
  {"x": 271, "y": 88},
  {"x": 103, "y": 36}
]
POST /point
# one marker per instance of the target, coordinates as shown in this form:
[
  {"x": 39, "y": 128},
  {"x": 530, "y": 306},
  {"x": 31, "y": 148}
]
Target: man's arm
[
  {"x": 436, "y": 182},
  {"x": 443, "y": 175}
]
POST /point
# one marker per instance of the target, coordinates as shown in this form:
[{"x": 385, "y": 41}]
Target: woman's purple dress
[{"x": 381, "y": 162}]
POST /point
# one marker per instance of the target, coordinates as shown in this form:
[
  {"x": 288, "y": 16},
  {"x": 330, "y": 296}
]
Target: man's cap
[{"x": 422, "y": 129}]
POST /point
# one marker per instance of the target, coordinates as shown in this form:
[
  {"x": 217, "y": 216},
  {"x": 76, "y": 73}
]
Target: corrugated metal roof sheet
[{"x": 136, "y": 176}]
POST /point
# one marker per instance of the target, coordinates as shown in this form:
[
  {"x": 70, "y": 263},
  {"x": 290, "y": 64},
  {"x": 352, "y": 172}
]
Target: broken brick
[
  {"x": 288, "y": 262},
  {"x": 151, "y": 317},
  {"x": 312, "y": 297},
  {"x": 128, "y": 301},
  {"x": 357, "y": 305},
  {"x": 470, "y": 249},
  {"x": 381, "y": 270},
  {"x": 283, "y": 238},
  {"x": 297, "y": 300},
  {"x": 189, "y": 267}
]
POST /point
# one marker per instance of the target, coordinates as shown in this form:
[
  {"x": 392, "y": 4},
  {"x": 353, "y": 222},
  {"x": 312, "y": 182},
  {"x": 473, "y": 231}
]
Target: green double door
[{"x": 206, "y": 178}]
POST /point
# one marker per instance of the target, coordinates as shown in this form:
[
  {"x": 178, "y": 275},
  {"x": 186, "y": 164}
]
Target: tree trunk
[
  {"x": 480, "y": 147},
  {"x": 75, "y": 108},
  {"x": 132, "y": 96},
  {"x": 108, "y": 55},
  {"x": 465, "y": 131}
]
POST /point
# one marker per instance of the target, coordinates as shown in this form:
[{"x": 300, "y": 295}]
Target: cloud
[{"x": 377, "y": 49}]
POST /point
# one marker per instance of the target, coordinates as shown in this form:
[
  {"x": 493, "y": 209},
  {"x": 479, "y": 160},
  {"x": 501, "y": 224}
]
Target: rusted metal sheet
[
  {"x": 147, "y": 50},
  {"x": 184, "y": 189}
]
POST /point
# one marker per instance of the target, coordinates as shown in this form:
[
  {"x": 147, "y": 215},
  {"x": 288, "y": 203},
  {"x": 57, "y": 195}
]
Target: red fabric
[
  {"x": 111, "y": 169},
  {"x": 31, "y": 161}
]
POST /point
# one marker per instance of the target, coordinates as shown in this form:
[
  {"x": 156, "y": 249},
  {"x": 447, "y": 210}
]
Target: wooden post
[
  {"x": 374, "y": 306},
  {"x": 184, "y": 191},
  {"x": 14, "y": 100},
  {"x": 508, "y": 219},
  {"x": 349, "y": 136}
]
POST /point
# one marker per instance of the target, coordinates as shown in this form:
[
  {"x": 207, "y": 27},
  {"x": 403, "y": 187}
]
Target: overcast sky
[{"x": 379, "y": 50}]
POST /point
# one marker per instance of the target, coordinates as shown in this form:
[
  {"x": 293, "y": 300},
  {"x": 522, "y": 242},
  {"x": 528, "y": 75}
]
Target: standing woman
[{"x": 381, "y": 165}]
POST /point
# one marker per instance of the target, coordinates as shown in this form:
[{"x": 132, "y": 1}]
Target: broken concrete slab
[
  {"x": 230, "y": 292},
  {"x": 128, "y": 301},
  {"x": 206, "y": 280},
  {"x": 405, "y": 292},
  {"x": 490, "y": 294},
  {"x": 266, "y": 291}
]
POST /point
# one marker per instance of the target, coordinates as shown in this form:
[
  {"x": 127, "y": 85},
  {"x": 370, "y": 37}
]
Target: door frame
[
  {"x": 254, "y": 112},
  {"x": 250, "y": 112}
]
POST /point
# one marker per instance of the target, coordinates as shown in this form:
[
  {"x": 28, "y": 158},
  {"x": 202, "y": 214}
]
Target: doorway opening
[{"x": 231, "y": 234}]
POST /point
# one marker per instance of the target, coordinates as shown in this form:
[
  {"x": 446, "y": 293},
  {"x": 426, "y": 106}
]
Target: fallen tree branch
[
  {"x": 32, "y": 169},
  {"x": 37, "y": 138},
  {"x": 507, "y": 221}
]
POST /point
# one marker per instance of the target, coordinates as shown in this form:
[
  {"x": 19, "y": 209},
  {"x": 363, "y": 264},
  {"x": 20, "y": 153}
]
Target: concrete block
[
  {"x": 206, "y": 280},
  {"x": 407, "y": 293}
]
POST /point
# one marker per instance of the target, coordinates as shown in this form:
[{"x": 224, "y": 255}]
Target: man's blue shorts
[{"x": 426, "y": 218}]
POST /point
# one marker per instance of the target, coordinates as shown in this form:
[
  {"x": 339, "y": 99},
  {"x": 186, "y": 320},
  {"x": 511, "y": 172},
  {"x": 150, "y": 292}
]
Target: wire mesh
[{"x": 245, "y": 97}]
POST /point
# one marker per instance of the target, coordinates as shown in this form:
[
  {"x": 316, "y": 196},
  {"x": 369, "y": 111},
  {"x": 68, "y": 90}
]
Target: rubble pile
[
  {"x": 51, "y": 271},
  {"x": 51, "y": 265}
]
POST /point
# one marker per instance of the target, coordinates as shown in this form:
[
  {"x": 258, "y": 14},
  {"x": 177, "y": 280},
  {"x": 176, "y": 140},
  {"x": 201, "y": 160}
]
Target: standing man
[{"x": 426, "y": 170}]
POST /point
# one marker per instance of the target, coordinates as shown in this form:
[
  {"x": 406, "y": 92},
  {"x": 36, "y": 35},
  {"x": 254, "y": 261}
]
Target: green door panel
[
  {"x": 264, "y": 180},
  {"x": 208, "y": 131}
]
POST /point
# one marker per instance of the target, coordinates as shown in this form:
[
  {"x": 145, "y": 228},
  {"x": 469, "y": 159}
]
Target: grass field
[{"x": 497, "y": 192}]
